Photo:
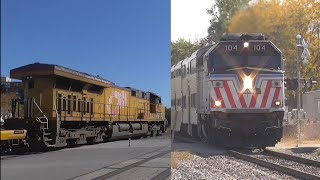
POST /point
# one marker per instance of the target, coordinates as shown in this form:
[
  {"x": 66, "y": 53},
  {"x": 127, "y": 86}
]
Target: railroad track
[
  {"x": 118, "y": 170},
  {"x": 285, "y": 163}
]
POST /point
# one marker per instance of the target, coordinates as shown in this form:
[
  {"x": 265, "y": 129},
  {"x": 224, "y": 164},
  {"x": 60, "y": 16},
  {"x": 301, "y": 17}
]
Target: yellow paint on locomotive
[
  {"x": 12, "y": 134},
  {"x": 112, "y": 103}
]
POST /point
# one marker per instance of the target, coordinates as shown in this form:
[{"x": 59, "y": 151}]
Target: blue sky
[{"x": 124, "y": 41}]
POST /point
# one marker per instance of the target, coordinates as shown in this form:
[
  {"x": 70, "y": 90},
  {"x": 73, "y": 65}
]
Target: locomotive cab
[{"x": 245, "y": 86}]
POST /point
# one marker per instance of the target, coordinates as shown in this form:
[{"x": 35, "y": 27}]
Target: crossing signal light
[
  {"x": 291, "y": 84},
  {"x": 308, "y": 83}
]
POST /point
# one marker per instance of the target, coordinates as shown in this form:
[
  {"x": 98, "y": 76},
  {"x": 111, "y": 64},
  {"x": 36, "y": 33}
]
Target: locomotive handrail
[{"x": 46, "y": 123}]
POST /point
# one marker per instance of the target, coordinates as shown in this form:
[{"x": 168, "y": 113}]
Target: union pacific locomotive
[
  {"x": 230, "y": 93},
  {"x": 64, "y": 107}
]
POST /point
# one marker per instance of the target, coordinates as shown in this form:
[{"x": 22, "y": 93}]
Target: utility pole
[
  {"x": 303, "y": 55},
  {"x": 298, "y": 38}
]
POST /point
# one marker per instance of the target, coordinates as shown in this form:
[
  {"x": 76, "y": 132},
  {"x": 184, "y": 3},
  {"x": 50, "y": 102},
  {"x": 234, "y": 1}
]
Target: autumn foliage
[{"x": 281, "y": 21}]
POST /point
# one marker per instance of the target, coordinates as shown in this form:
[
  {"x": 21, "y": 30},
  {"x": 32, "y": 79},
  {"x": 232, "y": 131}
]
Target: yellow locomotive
[
  {"x": 12, "y": 138},
  {"x": 64, "y": 107}
]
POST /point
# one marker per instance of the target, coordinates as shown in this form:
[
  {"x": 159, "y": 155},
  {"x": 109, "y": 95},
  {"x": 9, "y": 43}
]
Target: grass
[{"x": 177, "y": 156}]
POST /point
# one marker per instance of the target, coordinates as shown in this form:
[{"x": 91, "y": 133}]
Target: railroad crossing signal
[
  {"x": 292, "y": 84},
  {"x": 305, "y": 53},
  {"x": 308, "y": 83}
]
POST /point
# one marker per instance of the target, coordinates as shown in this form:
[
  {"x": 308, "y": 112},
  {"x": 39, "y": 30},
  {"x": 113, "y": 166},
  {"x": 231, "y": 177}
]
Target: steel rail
[
  {"x": 292, "y": 158},
  {"x": 274, "y": 166}
]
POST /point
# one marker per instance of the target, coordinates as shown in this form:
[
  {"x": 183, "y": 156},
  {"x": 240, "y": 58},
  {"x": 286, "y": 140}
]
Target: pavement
[{"x": 145, "y": 158}]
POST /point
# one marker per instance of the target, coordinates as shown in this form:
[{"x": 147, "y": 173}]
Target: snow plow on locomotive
[
  {"x": 239, "y": 93},
  {"x": 64, "y": 107}
]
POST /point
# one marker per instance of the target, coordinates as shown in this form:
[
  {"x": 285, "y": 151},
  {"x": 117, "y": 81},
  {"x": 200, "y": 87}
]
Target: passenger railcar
[
  {"x": 233, "y": 92},
  {"x": 64, "y": 107}
]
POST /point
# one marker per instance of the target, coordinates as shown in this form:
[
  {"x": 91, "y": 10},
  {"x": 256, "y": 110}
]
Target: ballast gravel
[
  {"x": 224, "y": 167},
  {"x": 313, "y": 155}
]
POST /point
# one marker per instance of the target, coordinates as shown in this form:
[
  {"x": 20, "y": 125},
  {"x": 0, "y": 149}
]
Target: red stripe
[
  {"x": 229, "y": 94},
  {"x": 242, "y": 101},
  {"x": 276, "y": 94},
  {"x": 253, "y": 100},
  {"x": 266, "y": 94},
  {"x": 217, "y": 90},
  {"x": 212, "y": 103}
]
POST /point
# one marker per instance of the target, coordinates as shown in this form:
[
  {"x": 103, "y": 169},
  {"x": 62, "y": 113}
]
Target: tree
[
  {"x": 281, "y": 21},
  {"x": 182, "y": 49},
  {"x": 221, "y": 12}
]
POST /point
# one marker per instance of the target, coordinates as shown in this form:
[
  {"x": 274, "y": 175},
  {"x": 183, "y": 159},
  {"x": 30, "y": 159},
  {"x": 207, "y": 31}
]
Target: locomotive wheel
[{"x": 151, "y": 133}]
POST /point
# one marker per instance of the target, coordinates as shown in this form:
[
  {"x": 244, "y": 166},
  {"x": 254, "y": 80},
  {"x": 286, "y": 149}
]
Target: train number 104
[
  {"x": 231, "y": 47},
  {"x": 258, "y": 47}
]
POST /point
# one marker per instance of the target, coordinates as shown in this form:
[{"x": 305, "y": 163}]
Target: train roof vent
[
  {"x": 245, "y": 37},
  {"x": 230, "y": 37},
  {"x": 253, "y": 36}
]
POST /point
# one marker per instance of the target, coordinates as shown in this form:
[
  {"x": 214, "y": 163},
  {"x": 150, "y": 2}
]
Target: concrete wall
[{"x": 311, "y": 105}]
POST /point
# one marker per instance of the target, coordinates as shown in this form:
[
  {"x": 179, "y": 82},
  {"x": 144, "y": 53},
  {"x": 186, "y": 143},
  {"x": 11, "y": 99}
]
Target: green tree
[
  {"x": 181, "y": 49},
  {"x": 221, "y": 12}
]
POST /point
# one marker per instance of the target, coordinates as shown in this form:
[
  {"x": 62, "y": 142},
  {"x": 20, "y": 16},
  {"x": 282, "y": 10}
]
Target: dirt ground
[{"x": 309, "y": 136}]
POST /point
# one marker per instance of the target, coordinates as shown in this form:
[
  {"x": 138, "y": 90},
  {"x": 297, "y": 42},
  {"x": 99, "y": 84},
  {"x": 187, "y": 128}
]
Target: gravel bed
[
  {"x": 222, "y": 167},
  {"x": 313, "y": 156},
  {"x": 292, "y": 164}
]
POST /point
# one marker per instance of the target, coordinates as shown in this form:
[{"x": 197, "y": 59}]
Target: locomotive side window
[
  {"x": 64, "y": 104},
  {"x": 84, "y": 106},
  {"x": 184, "y": 71},
  {"x": 69, "y": 104},
  {"x": 193, "y": 100},
  {"x": 59, "y": 103},
  {"x": 88, "y": 107},
  {"x": 79, "y": 105},
  {"x": 193, "y": 66},
  {"x": 74, "y": 103},
  {"x": 184, "y": 102},
  {"x": 91, "y": 106}
]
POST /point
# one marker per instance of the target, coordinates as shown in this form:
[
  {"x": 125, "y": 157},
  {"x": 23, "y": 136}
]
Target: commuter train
[
  {"x": 230, "y": 93},
  {"x": 64, "y": 107}
]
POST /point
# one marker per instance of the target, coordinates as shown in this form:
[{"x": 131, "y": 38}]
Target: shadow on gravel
[
  {"x": 303, "y": 150},
  {"x": 195, "y": 147}
]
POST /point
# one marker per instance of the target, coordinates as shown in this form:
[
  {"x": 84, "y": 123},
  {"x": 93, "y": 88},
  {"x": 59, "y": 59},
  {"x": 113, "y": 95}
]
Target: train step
[
  {"x": 48, "y": 140},
  {"x": 46, "y": 134}
]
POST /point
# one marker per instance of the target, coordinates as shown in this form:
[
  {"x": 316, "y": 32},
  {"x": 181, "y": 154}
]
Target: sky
[
  {"x": 124, "y": 41},
  {"x": 189, "y": 19}
]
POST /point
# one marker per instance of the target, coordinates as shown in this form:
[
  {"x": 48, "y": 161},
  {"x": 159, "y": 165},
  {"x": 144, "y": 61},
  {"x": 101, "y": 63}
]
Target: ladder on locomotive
[{"x": 43, "y": 120}]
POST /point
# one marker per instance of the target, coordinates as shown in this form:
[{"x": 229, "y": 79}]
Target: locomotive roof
[
  {"x": 39, "y": 69},
  {"x": 238, "y": 37}
]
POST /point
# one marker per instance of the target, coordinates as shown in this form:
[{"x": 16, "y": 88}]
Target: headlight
[
  {"x": 277, "y": 102},
  {"x": 217, "y": 103},
  {"x": 247, "y": 83},
  {"x": 245, "y": 44}
]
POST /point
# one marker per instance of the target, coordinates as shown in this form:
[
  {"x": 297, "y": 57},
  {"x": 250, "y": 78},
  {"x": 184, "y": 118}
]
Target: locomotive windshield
[{"x": 230, "y": 55}]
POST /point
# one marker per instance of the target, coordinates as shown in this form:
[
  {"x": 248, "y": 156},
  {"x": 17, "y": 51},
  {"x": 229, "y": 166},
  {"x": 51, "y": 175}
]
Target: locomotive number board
[{"x": 252, "y": 48}]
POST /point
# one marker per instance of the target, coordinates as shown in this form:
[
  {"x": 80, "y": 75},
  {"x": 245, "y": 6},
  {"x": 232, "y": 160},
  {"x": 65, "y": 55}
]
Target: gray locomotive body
[{"x": 232, "y": 93}]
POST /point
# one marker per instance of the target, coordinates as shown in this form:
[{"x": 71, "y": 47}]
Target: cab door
[
  {"x": 63, "y": 105},
  {"x": 85, "y": 108}
]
